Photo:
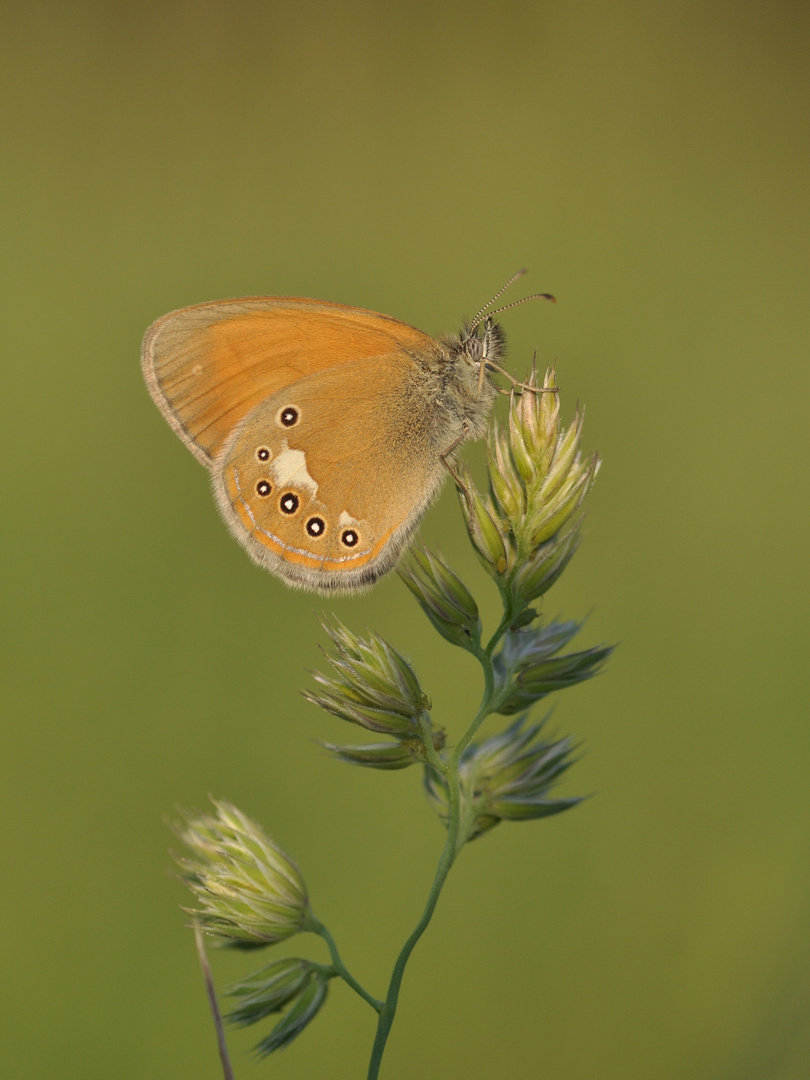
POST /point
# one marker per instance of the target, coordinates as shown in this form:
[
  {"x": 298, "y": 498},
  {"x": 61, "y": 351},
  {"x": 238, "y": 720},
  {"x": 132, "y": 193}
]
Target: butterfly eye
[
  {"x": 349, "y": 537},
  {"x": 316, "y": 526},
  {"x": 288, "y": 417},
  {"x": 288, "y": 502},
  {"x": 475, "y": 348},
  {"x": 263, "y": 488},
  {"x": 263, "y": 453}
]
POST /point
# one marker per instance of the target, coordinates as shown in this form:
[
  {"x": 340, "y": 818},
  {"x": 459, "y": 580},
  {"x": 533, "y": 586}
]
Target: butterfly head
[
  {"x": 468, "y": 390},
  {"x": 484, "y": 344}
]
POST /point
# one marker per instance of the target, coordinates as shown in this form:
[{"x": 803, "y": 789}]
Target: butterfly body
[{"x": 324, "y": 426}]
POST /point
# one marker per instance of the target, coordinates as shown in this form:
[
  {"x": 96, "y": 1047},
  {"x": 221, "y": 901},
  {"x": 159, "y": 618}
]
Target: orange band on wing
[{"x": 297, "y": 556}]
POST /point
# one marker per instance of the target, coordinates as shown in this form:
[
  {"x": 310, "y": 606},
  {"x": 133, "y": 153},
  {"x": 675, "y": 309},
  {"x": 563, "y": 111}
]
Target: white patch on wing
[
  {"x": 290, "y": 468},
  {"x": 347, "y": 519}
]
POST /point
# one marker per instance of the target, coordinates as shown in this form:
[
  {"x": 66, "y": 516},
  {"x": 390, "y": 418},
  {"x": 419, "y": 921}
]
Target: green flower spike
[
  {"x": 376, "y": 688},
  {"x": 524, "y": 530},
  {"x": 250, "y": 893},
  {"x": 505, "y": 778}
]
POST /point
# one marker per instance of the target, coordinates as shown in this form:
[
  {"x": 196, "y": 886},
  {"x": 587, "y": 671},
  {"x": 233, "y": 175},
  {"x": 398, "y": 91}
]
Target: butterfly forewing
[{"x": 207, "y": 367}]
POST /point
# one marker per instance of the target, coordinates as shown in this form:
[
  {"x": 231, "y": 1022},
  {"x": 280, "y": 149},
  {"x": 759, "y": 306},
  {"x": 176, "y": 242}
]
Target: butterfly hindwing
[{"x": 324, "y": 481}]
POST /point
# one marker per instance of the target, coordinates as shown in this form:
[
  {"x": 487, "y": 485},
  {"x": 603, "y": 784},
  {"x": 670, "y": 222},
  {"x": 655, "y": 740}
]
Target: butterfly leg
[
  {"x": 481, "y": 372},
  {"x": 521, "y": 385},
  {"x": 445, "y": 458}
]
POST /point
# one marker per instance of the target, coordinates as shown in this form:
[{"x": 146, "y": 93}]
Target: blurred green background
[{"x": 649, "y": 163}]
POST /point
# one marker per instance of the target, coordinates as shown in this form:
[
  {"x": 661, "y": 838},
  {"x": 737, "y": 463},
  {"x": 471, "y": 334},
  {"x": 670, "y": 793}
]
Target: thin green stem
[
  {"x": 390, "y": 1007},
  {"x": 455, "y": 838},
  {"x": 484, "y": 657},
  {"x": 448, "y": 855},
  {"x": 431, "y": 753},
  {"x": 510, "y": 613},
  {"x": 340, "y": 968}
]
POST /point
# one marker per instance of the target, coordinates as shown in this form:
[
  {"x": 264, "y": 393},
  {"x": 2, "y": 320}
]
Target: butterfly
[{"x": 327, "y": 429}]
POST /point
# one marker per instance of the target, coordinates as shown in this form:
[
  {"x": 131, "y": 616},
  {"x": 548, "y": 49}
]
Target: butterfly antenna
[
  {"x": 500, "y": 292},
  {"x": 517, "y": 303}
]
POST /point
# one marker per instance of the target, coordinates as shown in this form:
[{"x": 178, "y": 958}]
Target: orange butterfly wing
[
  {"x": 328, "y": 500},
  {"x": 210, "y": 365}
]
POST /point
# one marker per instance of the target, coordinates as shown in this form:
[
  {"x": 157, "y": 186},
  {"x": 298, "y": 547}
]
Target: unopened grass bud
[
  {"x": 505, "y": 778},
  {"x": 527, "y": 669},
  {"x": 505, "y": 481},
  {"x": 303, "y": 1012},
  {"x": 545, "y": 564},
  {"x": 444, "y": 598},
  {"x": 563, "y": 454},
  {"x": 376, "y": 688},
  {"x": 372, "y": 685},
  {"x": 387, "y": 756},
  {"x": 488, "y": 534},
  {"x": 551, "y": 513},
  {"x": 536, "y": 416},
  {"x": 269, "y": 990}
]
